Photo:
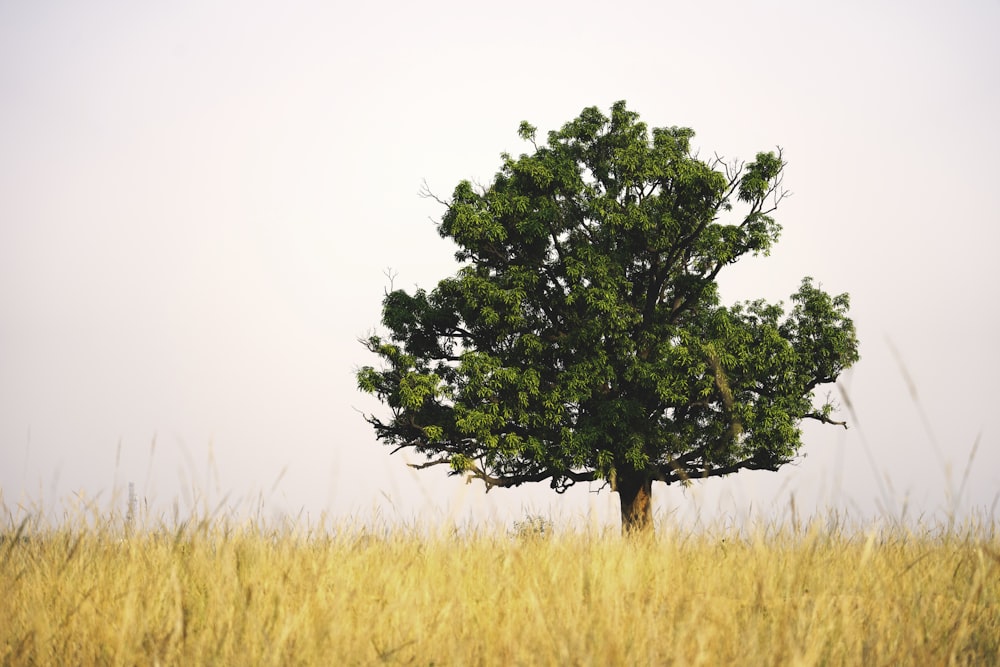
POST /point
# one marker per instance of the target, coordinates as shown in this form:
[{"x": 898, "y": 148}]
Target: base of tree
[{"x": 636, "y": 495}]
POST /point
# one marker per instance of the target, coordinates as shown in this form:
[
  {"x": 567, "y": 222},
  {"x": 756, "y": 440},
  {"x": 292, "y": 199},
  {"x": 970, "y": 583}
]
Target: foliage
[{"x": 583, "y": 336}]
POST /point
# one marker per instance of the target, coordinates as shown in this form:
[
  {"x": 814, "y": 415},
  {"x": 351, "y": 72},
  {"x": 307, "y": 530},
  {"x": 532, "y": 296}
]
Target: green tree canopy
[{"x": 582, "y": 337}]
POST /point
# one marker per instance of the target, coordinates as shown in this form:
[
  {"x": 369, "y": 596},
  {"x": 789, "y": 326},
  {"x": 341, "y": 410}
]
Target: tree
[{"x": 583, "y": 337}]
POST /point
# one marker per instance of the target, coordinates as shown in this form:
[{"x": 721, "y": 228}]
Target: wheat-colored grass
[{"x": 216, "y": 593}]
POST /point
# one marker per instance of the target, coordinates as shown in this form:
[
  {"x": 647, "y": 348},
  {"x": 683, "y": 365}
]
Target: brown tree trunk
[{"x": 636, "y": 494}]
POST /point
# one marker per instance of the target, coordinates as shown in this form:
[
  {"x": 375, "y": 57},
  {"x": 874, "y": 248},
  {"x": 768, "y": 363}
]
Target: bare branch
[
  {"x": 391, "y": 275},
  {"x": 823, "y": 418},
  {"x": 425, "y": 192},
  {"x": 425, "y": 464},
  {"x": 733, "y": 171}
]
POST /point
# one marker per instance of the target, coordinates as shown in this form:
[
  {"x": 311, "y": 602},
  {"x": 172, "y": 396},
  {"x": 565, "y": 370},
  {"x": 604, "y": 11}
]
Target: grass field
[{"x": 212, "y": 592}]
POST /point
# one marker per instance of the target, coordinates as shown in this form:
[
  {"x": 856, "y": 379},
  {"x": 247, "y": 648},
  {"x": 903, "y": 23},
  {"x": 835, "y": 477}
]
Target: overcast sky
[{"x": 199, "y": 202}]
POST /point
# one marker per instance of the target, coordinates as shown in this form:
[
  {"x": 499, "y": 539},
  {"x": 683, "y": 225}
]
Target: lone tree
[{"x": 583, "y": 338}]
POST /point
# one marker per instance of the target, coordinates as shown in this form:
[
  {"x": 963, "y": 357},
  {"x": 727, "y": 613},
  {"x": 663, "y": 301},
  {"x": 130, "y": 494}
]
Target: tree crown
[{"x": 583, "y": 337}]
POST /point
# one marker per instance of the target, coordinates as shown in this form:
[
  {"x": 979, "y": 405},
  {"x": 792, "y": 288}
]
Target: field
[{"x": 214, "y": 592}]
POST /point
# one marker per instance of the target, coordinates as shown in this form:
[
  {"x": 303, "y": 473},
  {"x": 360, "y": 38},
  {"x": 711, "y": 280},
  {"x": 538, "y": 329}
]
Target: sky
[{"x": 200, "y": 203}]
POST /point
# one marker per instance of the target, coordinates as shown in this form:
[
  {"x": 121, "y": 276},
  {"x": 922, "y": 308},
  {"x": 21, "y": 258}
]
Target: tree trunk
[{"x": 636, "y": 494}]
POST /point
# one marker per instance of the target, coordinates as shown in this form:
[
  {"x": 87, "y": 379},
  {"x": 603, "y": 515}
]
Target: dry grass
[{"x": 213, "y": 593}]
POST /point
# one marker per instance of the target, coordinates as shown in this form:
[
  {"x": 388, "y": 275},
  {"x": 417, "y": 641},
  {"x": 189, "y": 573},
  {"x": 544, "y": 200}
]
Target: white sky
[{"x": 198, "y": 202}]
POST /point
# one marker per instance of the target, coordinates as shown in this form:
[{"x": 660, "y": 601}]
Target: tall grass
[{"x": 218, "y": 592}]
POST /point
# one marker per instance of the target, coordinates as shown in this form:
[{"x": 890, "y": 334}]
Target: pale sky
[{"x": 199, "y": 201}]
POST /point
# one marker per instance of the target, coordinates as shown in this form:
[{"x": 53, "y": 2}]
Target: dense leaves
[{"x": 583, "y": 336}]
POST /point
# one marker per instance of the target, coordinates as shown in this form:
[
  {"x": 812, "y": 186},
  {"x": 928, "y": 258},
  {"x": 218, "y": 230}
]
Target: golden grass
[{"x": 215, "y": 593}]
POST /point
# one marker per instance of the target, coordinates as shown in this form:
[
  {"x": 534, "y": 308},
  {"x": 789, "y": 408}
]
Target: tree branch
[
  {"x": 673, "y": 472},
  {"x": 425, "y": 464},
  {"x": 426, "y": 193},
  {"x": 823, "y": 418},
  {"x": 505, "y": 481}
]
